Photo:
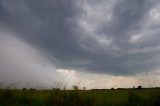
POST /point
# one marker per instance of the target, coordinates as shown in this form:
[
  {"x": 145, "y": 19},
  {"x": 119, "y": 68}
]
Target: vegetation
[{"x": 116, "y": 97}]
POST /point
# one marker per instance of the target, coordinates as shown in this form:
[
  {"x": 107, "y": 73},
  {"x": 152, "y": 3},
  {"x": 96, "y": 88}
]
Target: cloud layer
[{"x": 118, "y": 37}]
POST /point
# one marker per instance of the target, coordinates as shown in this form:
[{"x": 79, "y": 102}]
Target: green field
[{"x": 132, "y": 97}]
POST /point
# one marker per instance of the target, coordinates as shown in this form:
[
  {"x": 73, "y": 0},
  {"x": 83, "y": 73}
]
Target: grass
[{"x": 142, "y": 97}]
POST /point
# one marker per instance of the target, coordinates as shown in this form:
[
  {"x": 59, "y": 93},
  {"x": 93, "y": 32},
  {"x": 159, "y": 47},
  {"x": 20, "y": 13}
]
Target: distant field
[{"x": 141, "y": 97}]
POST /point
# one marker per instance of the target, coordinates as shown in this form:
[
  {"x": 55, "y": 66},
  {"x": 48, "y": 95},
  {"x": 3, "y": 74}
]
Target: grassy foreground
[{"x": 142, "y": 97}]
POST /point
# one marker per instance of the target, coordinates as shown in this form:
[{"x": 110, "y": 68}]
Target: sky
[{"x": 96, "y": 44}]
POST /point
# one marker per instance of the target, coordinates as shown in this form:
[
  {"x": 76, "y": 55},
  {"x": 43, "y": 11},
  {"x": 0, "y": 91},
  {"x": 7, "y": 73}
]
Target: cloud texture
[{"x": 116, "y": 37}]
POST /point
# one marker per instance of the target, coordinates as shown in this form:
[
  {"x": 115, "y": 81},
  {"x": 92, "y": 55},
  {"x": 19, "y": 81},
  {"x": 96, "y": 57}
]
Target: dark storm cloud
[
  {"x": 126, "y": 16},
  {"x": 126, "y": 44}
]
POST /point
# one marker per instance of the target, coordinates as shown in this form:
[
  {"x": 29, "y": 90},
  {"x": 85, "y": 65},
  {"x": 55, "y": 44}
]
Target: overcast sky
[{"x": 93, "y": 43}]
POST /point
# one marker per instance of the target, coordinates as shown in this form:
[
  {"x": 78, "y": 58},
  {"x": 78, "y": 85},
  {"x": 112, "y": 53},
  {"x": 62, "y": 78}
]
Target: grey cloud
[{"x": 52, "y": 27}]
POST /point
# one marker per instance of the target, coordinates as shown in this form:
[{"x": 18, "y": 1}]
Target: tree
[
  {"x": 139, "y": 87},
  {"x": 75, "y": 87}
]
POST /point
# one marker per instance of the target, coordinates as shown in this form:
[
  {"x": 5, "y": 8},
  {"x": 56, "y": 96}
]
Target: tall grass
[{"x": 142, "y": 97}]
